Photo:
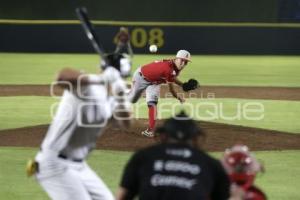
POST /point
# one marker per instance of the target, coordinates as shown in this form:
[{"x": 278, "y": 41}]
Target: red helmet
[{"x": 241, "y": 165}]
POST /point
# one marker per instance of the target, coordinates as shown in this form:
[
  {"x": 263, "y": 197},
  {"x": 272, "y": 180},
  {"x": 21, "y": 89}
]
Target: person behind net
[
  {"x": 176, "y": 168},
  {"x": 122, "y": 40}
]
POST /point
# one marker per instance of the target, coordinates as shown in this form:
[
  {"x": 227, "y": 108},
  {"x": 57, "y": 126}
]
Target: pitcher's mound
[{"x": 218, "y": 137}]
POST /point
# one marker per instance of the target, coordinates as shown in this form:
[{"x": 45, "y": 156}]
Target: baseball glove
[{"x": 191, "y": 84}]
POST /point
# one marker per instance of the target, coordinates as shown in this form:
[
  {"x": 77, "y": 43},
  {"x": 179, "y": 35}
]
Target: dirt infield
[
  {"x": 218, "y": 136},
  {"x": 273, "y": 93}
]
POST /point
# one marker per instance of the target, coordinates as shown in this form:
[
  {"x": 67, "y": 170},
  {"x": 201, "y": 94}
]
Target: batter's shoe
[{"x": 148, "y": 133}]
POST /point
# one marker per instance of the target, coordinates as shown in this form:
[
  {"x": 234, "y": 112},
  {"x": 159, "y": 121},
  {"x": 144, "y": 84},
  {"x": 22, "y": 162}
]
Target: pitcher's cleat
[{"x": 148, "y": 133}]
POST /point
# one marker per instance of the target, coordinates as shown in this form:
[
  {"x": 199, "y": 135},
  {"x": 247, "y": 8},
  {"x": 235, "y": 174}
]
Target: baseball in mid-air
[{"x": 153, "y": 48}]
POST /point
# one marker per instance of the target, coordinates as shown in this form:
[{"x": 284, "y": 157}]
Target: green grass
[
  {"x": 278, "y": 115},
  {"x": 40, "y": 68},
  {"x": 209, "y": 70},
  {"x": 281, "y": 179},
  {"x": 18, "y": 112},
  {"x": 280, "y": 182},
  {"x": 248, "y": 70}
]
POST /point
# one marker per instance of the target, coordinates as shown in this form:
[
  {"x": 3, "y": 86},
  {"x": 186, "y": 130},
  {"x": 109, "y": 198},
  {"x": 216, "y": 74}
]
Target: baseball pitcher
[
  {"x": 92, "y": 102},
  {"x": 150, "y": 76}
]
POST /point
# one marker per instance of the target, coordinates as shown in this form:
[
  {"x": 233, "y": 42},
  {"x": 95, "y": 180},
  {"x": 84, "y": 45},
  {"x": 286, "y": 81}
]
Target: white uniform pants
[{"x": 77, "y": 182}]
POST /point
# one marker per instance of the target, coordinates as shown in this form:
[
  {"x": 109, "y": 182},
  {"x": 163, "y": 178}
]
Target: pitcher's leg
[
  {"x": 138, "y": 86},
  {"x": 152, "y": 95},
  {"x": 152, "y": 114}
]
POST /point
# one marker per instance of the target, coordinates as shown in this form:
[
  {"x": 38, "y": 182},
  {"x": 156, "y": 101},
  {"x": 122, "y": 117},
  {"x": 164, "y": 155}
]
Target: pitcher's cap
[{"x": 184, "y": 54}]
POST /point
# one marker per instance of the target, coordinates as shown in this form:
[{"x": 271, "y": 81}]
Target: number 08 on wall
[{"x": 141, "y": 37}]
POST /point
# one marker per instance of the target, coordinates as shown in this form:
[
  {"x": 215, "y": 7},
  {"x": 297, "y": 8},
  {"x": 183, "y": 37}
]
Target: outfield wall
[
  {"x": 199, "y": 38},
  {"x": 270, "y": 11},
  {"x": 145, "y": 10},
  {"x": 203, "y": 27}
]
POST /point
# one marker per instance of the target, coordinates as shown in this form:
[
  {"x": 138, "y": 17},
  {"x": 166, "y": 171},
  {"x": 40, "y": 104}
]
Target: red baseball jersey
[
  {"x": 160, "y": 71},
  {"x": 254, "y": 193}
]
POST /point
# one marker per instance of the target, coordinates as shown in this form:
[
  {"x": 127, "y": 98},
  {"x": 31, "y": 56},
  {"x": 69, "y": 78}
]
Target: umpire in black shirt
[{"x": 175, "y": 169}]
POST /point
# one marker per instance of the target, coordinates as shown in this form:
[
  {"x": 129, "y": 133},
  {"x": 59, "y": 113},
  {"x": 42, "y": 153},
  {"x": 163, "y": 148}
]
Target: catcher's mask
[
  {"x": 241, "y": 165},
  {"x": 181, "y": 128},
  {"x": 121, "y": 62}
]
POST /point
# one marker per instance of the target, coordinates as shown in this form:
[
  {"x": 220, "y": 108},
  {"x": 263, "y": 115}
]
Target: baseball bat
[{"x": 89, "y": 30}]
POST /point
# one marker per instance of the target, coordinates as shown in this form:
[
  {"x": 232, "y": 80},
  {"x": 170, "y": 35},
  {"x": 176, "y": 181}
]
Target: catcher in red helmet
[{"x": 242, "y": 168}]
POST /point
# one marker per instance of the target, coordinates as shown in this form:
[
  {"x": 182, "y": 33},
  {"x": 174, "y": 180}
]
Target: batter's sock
[{"x": 152, "y": 116}]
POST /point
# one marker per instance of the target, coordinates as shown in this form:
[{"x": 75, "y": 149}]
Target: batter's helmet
[
  {"x": 119, "y": 61},
  {"x": 241, "y": 165},
  {"x": 181, "y": 127}
]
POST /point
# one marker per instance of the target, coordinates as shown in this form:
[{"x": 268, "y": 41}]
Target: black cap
[{"x": 181, "y": 127}]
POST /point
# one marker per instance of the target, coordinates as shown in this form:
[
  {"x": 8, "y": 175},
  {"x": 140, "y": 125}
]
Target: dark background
[
  {"x": 209, "y": 39},
  {"x": 145, "y": 10}
]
